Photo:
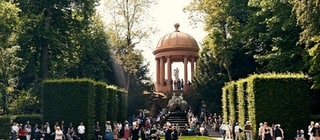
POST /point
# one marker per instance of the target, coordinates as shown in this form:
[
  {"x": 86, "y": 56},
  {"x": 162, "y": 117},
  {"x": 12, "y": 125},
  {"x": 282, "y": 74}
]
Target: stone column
[
  {"x": 169, "y": 71},
  {"x": 192, "y": 68},
  {"x": 185, "y": 62},
  {"x": 157, "y": 70},
  {"x": 161, "y": 71}
]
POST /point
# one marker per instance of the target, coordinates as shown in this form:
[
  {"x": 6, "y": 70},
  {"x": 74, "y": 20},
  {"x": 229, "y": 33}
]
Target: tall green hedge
[
  {"x": 5, "y": 126},
  {"x": 273, "y": 98},
  {"x": 71, "y": 100},
  {"x": 123, "y": 105},
  {"x": 113, "y": 102},
  {"x": 101, "y": 102},
  {"x": 32, "y": 118}
]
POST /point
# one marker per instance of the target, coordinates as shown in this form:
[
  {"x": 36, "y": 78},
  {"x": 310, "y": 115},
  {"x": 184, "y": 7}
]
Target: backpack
[{"x": 240, "y": 130}]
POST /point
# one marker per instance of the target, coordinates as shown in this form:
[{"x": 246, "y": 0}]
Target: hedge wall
[
  {"x": 273, "y": 98},
  {"x": 70, "y": 100},
  {"x": 101, "y": 102},
  {"x": 5, "y": 126},
  {"x": 123, "y": 105},
  {"x": 113, "y": 102}
]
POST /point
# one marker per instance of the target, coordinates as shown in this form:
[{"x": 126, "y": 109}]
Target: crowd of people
[
  {"x": 143, "y": 127},
  {"x": 45, "y": 132}
]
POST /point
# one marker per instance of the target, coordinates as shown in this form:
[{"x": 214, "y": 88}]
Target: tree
[
  {"x": 95, "y": 60},
  {"x": 10, "y": 24},
  {"x": 48, "y": 41},
  {"x": 271, "y": 36},
  {"x": 308, "y": 15},
  {"x": 128, "y": 27},
  {"x": 11, "y": 65},
  {"x": 209, "y": 78},
  {"x": 72, "y": 44},
  {"x": 224, "y": 57},
  {"x": 224, "y": 20}
]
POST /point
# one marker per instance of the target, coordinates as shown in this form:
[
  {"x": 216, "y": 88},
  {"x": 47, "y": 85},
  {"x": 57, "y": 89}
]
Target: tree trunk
[{"x": 45, "y": 48}]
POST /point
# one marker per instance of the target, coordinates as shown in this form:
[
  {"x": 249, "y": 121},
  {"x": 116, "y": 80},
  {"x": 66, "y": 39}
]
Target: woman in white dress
[{"x": 58, "y": 134}]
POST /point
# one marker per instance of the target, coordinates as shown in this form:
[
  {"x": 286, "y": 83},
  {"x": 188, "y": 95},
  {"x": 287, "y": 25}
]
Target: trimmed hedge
[
  {"x": 5, "y": 126},
  {"x": 32, "y": 118},
  {"x": 272, "y": 98},
  {"x": 101, "y": 102},
  {"x": 72, "y": 101},
  {"x": 83, "y": 100}
]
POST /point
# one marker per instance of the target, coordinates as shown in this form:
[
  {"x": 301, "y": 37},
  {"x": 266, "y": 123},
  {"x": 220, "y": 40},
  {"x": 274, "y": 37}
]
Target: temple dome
[{"x": 177, "y": 41}]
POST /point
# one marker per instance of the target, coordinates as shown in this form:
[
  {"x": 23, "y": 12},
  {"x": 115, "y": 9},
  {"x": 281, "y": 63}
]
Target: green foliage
[
  {"x": 83, "y": 100},
  {"x": 5, "y": 125},
  {"x": 10, "y": 67},
  {"x": 271, "y": 35},
  {"x": 10, "y": 23},
  {"x": 113, "y": 103},
  {"x": 101, "y": 101},
  {"x": 123, "y": 105},
  {"x": 63, "y": 39},
  {"x": 25, "y": 103},
  {"x": 208, "y": 79},
  {"x": 269, "y": 98},
  {"x": 69, "y": 100},
  {"x": 94, "y": 58},
  {"x": 32, "y": 118},
  {"x": 128, "y": 28}
]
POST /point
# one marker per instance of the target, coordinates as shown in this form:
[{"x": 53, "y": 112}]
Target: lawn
[{"x": 196, "y": 138}]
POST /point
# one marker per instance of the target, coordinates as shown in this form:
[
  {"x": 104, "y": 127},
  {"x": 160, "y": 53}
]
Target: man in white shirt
[
  {"x": 237, "y": 131},
  {"x": 14, "y": 131},
  {"x": 81, "y": 131}
]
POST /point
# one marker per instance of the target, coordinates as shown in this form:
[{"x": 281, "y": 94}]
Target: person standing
[
  {"x": 96, "y": 130},
  {"x": 28, "y": 131},
  {"x": 316, "y": 132},
  {"x": 14, "y": 131},
  {"x": 135, "y": 132},
  {"x": 237, "y": 132},
  {"x": 22, "y": 133},
  {"x": 267, "y": 132},
  {"x": 47, "y": 130},
  {"x": 248, "y": 130},
  {"x": 310, "y": 127},
  {"x": 278, "y": 132},
  {"x": 174, "y": 133},
  {"x": 58, "y": 133},
  {"x": 81, "y": 131},
  {"x": 168, "y": 132}
]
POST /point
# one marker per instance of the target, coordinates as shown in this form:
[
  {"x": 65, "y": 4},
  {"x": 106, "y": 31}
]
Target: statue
[
  {"x": 176, "y": 73},
  {"x": 177, "y": 103}
]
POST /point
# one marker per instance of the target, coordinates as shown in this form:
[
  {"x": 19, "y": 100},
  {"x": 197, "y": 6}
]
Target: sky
[{"x": 166, "y": 13}]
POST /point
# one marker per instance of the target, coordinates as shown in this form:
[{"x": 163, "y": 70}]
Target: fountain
[{"x": 177, "y": 110}]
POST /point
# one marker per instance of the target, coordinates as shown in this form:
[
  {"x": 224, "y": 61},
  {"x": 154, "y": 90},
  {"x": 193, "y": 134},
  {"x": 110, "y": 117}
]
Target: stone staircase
[{"x": 179, "y": 118}]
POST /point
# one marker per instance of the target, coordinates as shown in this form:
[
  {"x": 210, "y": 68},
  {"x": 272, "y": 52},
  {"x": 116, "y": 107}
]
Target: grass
[{"x": 196, "y": 138}]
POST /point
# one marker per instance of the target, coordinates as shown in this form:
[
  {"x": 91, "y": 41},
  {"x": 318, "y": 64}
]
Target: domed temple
[{"x": 175, "y": 47}]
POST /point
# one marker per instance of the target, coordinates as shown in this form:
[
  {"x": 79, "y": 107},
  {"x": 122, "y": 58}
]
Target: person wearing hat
[
  {"x": 248, "y": 130},
  {"x": 237, "y": 131},
  {"x": 278, "y": 132}
]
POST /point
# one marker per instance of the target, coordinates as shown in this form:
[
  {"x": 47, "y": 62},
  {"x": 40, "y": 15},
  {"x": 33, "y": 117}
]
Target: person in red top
[{"x": 22, "y": 133}]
